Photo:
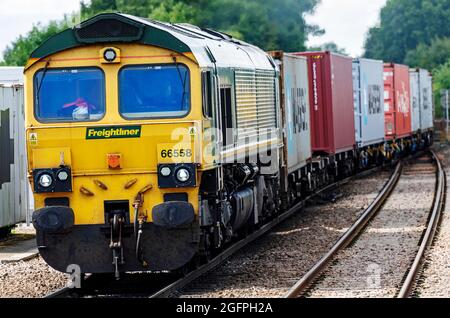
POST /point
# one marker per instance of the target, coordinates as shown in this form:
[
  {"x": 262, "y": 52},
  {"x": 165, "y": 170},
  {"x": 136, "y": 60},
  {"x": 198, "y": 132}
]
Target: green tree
[
  {"x": 441, "y": 80},
  {"x": 329, "y": 46},
  {"x": 429, "y": 56},
  {"x": 404, "y": 24},
  {"x": 269, "y": 24},
  {"x": 18, "y": 52}
]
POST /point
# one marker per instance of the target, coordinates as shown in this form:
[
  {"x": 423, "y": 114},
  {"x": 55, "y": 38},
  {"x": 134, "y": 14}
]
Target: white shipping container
[
  {"x": 296, "y": 106},
  {"x": 415, "y": 99},
  {"x": 368, "y": 94},
  {"x": 11, "y": 75},
  {"x": 14, "y": 187},
  {"x": 426, "y": 100}
]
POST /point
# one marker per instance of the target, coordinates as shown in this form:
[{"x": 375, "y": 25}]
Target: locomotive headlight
[
  {"x": 45, "y": 180},
  {"x": 165, "y": 171},
  {"x": 62, "y": 175},
  {"x": 183, "y": 175},
  {"x": 109, "y": 55}
]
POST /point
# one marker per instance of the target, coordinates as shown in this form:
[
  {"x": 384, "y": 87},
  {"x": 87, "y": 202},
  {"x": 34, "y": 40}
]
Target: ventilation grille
[
  {"x": 108, "y": 30},
  {"x": 255, "y": 101}
]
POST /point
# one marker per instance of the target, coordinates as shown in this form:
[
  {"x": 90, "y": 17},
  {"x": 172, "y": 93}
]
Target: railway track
[
  {"x": 439, "y": 199},
  {"x": 302, "y": 286},
  {"x": 153, "y": 286}
]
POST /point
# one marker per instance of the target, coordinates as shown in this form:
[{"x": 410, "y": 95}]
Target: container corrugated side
[
  {"x": 14, "y": 188},
  {"x": 397, "y": 101},
  {"x": 415, "y": 100},
  {"x": 296, "y": 110},
  {"x": 331, "y": 102},
  {"x": 342, "y": 101},
  {"x": 368, "y": 87},
  {"x": 426, "y": 100}
]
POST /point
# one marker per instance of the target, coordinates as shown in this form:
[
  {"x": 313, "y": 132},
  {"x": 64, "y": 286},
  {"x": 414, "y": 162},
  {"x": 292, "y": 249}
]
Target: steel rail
[
  {"x": 432, "y": 225},
  {"x": 218, "y": 260},
  {"x": 302, "y": 285}
]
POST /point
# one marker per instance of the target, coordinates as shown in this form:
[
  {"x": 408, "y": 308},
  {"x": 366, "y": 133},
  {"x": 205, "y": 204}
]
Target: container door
[
  {"x": 389, "y": 96},
  {"x": 426, "y": 98},
  {"x": 415, "y": 101},
  {"x": 357, "y": 101},
  {"x": 402, "y": 101},
  {"x": 322, "y": 129}
]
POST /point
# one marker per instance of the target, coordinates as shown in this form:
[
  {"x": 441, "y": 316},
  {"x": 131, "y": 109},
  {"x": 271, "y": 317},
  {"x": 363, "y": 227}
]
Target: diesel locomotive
[{"x": 152, "y": 145}]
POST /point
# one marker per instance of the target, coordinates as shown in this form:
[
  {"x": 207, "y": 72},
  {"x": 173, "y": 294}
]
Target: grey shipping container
[
  {"x": 415, "y": 100},
  {"x": 11, "y": 75},
  {"x": 426, "y": 100},
  {"x": 295, "y": 92},
  {"x": 14, "y": 188},
  {"x": 368, "y": 90}
]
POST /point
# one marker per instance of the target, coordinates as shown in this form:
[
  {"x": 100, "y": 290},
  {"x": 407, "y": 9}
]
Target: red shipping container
[
  {"x": 331, "y": 102},
  {"x": 397, "y": 106}
]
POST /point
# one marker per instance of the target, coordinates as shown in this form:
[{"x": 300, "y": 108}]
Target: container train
[{"x": 153, "y": 145}]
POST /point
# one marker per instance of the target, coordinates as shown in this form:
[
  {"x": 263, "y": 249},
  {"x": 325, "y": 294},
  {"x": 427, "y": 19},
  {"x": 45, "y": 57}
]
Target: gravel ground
[
  {"x": 435, "y": 279},
  {"x": 33, "y": 278},
  {"x": 374, "y": 266},
  {"x": 268, "y": 268}
]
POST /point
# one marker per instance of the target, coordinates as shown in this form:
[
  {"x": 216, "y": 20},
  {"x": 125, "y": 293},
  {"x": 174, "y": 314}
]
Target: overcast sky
[
  {"x": 345, "y": 21},
  {"x": 18, "y": 16}
]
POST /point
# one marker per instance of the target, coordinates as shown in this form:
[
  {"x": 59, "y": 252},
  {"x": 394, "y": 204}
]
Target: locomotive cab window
[
  {"x": 66, "y": 95},
  {"x": 154, "y": 91},
  {"x": 207, "y": 94}
]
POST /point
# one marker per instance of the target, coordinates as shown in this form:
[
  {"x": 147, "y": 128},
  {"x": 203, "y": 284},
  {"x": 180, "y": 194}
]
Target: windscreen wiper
[
  {"x": 42, "y": 80},
  {"x": 183, "y": 81}
]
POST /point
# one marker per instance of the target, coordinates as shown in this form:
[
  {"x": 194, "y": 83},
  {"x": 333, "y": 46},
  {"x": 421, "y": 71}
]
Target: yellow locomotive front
[{"x": 114, "y": 135}]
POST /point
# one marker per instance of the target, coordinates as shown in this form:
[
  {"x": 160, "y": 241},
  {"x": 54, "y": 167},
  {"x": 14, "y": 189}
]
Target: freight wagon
[
  {"x": 295, "y": 112},
  {"x": 368, "y": 95},
  {"x": 422, "y": 106},
  {"x": 13, "y": 181}
]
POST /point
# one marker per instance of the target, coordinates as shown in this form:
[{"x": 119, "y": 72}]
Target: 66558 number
[{"x": 176, "y": 153}]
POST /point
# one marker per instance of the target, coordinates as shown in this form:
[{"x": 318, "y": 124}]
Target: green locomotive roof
[
  {"x": 109, "y": 27},
  {"x": 209, "y": 47}
]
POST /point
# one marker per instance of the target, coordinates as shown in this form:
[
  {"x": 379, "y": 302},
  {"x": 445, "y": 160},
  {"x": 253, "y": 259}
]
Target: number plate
[{"x": 175, "y": 153}]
